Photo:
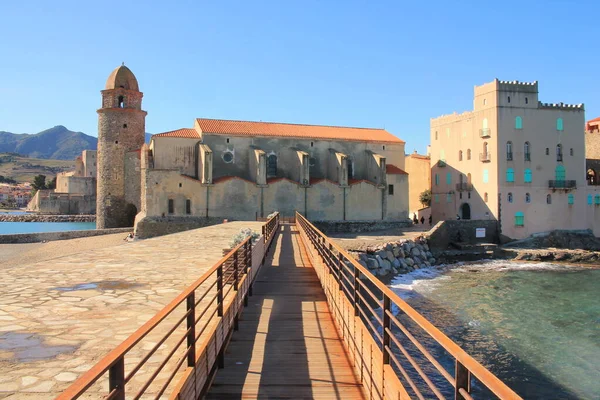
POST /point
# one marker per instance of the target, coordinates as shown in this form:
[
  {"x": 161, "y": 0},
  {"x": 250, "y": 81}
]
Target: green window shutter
[
  {"x": 510, "y": 175},
  {"x": 519, "y": 219},
  {"x": 560, "y": 173},
  {"x": 571, "y": 199},
  {"x": 449, "y": 178},
  {"x": 437, "y": 198},
  {"x": 589, "y": 199},
  {"x": 485, "y": 176},
  {"x": 518, "y": 123},
  {"x": 437, "y": 179},
  {"x": 559, "y": 124},
  {"x": 527, "y": 176}
]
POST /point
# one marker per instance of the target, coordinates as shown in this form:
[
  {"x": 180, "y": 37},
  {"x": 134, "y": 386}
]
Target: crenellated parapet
[
  {"x": 450, "y": 118},
  {"x": 561, "y": 106}
]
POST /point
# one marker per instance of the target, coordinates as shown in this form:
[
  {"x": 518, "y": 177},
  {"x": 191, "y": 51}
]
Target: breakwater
[
  {"x": 46, "y": 218},
  {"x": 396, "y": 257}
]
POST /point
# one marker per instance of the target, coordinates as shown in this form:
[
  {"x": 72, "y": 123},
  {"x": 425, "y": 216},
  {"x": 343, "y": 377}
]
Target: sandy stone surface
[
  {"x": 363, "y": 240},
  {"x": 60, "y": 314}
]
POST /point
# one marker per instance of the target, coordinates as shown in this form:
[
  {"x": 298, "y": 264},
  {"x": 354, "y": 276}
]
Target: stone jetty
[{"x": 46, "y": 218}]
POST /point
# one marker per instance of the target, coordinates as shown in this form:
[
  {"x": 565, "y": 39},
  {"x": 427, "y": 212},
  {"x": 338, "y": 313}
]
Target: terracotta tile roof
[
  {"x": 594, "y": 120},
  {"x": 249, "y": 128},
  {"x": 180, "y": 133},
  {"x": 393, "y": 170},
  {"x": 356, "y": 181}
]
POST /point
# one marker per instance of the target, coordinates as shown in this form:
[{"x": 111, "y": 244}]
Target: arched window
[
  {"x": 509, "y": 197},
  {"x": 549, "y": 199},
  {"x": 597, "y": 199},
  {"x": 469, "y": 178},
  {"x": 560, "y": 173},
  {"x": 547, "y": 151},
  {"x": 559, "y": 124},
  {"x": 589, "y": 199},
  {"x": 272, "y": 165},
  {"x": 460, "y": 155},
  {"x": 527, "y": 198},
  {"x": 509, "y": 152},
  {"x": 485, "y": 197},
  {"x": 571, "y": 199},
  {"x": 518, "y": 123},
  {"x": 527, "y": 175},
  {"x": 468, "y": 154},
  {"x": 526, "y": 100},
  {"x": 510, "y": 175},
  {"x": 121, "y": 102},
  {"x": 509, "y": 99},
  {"x": 436, "y": 137},
  {"x": 350, "y": 165},
  {"x": 449, "y": 178},
  {"x": 571, "y": 152},
  {"x": 527, "y": 151},
  {"x": 519, "y": 219},
  {"x": 486, "y": 176},
  {"x": 559, "y": 155}
]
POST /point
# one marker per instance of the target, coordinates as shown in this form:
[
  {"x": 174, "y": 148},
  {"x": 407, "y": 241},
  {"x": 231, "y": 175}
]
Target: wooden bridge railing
[
  {"x": 390, "y": 344},
  {"x": 178, "y": 350}
]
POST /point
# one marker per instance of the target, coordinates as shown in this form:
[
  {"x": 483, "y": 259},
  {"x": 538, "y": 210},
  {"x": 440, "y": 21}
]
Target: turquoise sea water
[
  {"x": 536, "y": 326},
  {"x": 34, "y": 227}
]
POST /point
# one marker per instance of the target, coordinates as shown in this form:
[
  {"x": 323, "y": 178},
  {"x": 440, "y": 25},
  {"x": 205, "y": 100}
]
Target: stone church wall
[{"x": 325, "y": 201}]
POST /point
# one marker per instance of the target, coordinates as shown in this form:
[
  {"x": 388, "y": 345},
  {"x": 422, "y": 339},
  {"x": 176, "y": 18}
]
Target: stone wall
[
  {"x": 462, "y": 231},
  {"x": 49, "y": 202},
  {"x": 358, "y": 226},
  {"x": 397, "y": 257},
  {"x": 147, "y": 227},
  {"x": 50, "y": 236}
]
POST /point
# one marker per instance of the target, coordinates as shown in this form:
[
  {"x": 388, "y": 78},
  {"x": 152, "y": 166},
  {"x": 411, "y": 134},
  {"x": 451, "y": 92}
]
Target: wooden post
[
  {"x": 462, "y": 380},
  {"x": 191, "y": 326},
  {"x": 116, "y": 379},
  {"x": 386, "y": 326}
]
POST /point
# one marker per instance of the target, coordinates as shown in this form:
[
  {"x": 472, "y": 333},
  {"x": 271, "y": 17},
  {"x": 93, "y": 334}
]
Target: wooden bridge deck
[{"x": 287, "y": 345}]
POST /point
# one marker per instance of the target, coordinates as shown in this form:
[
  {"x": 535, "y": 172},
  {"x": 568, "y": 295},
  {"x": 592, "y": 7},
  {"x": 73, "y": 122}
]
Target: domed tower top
[{"x": 123, "y": 78}]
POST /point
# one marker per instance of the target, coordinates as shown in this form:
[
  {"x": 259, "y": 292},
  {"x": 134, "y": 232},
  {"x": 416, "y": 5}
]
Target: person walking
[
  {"x": 430, "y": 220},
  {"x": 422, "y": 220}
]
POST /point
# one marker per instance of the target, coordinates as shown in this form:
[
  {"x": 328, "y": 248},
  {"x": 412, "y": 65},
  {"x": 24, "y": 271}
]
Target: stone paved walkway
[{"x": 60, "y": 316}]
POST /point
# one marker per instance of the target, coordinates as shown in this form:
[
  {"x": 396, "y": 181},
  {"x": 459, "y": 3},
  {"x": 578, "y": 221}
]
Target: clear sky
[{"x": 391, "y": 64}]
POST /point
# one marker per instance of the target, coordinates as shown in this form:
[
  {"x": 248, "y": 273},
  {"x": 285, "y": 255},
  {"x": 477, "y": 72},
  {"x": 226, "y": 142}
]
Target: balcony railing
[
  {"x": 509, "y": 156},
  {"x": 562, "y": 184},
  {"x": 527, "y": 156},
  {"x": 441, "y": 163},
  {"x": 464, "y": 187},
  {"x": 485, "y": 133},
  {"x": 485, "y": 157}
]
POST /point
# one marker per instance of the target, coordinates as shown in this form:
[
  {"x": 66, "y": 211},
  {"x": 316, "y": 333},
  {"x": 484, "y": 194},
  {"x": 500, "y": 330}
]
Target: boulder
[
  {"x": 396, "y": 263},
  {"x": 409, "y": 262},
  {"x": 431, "y": 261},
  {"x": 363, "y": 263},
  {"x": 386, "y": 265},
  {"x": 390, "y": 256},
  {"x": 415, "y": 252},
  {"x": 381, "y": 253},
  {"x": 396, "y": 251},
  {"x": 426, "y": 246},
  {"x": 372, "y": 264}
]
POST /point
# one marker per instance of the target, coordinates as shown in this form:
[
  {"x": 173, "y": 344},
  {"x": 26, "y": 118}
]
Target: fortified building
[{"x": 242, "y": 170}]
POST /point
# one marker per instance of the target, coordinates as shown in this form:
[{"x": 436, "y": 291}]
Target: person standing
[
  {"x": 422, "y": 220},
  {"x": 430, "y": 220}
]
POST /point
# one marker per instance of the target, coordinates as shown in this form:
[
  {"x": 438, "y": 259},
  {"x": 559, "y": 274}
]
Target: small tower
[{"x": 121, "y": 129}]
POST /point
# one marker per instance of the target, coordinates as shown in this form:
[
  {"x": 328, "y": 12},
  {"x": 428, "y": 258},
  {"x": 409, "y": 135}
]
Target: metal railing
[
  {"x": 485, "y": 157},
  {"x": 464, "y": 187},
  {"x": 401, "y": 335},
  {"x": 192, "y": 330},
  {"x": 562, "y": 184},
  {"x": 485, "y": 133}
]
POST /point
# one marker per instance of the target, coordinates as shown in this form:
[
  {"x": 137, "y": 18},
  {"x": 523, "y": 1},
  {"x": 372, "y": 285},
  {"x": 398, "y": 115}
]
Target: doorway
[{"x": 465, "y": 211}]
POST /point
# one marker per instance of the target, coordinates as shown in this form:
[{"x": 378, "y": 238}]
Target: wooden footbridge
[{"x": 292, "y": 316}]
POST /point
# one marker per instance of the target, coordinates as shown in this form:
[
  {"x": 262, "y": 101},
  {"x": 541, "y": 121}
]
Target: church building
[{"x": 240, "y": 170}]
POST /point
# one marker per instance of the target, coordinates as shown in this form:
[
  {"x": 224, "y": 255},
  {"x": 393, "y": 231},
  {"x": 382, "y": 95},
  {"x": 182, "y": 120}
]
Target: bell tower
[{"x": 121, "y": 129}]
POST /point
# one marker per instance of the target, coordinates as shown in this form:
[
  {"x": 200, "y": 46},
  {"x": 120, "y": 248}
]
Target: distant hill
[
  {"x": 23, "y": 169},
  {"x": 56, "y": 143}
]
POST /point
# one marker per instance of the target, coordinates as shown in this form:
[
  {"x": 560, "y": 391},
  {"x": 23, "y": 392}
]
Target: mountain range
[{"x": 58, "y": 143}]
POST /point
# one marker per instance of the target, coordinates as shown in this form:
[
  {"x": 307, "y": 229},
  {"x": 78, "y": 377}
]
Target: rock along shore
[
  {"x": 396, "y": 257},
  {"x": 46, "y": 218}
]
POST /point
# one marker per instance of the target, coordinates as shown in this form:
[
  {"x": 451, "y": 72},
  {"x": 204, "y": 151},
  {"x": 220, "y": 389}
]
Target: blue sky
[{"x": 390, "y": 64}]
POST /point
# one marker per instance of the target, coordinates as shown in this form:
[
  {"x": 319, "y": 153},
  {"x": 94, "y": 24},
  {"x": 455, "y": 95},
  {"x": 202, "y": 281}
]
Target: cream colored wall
[
  {"x": 234, "y": 198},
  {"x": 397, "y": 204},
  {"x": 163, "y": 185},
  {"x": 461, "y": 132},
  {"x": 363, "y": 202},
  {"x": 89, "y": 163},
  {"x": 419, "y": 179},
  {"x": 284, "y": 196},
  {"x": 175, "y": 153},
  {"x": 325, "y": 201}
]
